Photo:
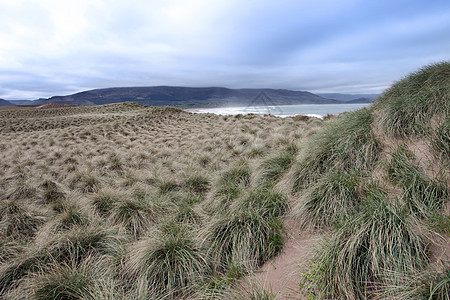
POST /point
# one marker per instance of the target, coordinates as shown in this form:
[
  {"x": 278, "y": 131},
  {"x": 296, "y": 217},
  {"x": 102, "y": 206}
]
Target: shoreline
[
  {"x": 292, "y": 110},
  {"x": 276, "y": 105}
]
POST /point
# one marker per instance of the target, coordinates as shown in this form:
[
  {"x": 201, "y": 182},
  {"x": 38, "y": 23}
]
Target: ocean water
[{"x": 312, "y": 110}]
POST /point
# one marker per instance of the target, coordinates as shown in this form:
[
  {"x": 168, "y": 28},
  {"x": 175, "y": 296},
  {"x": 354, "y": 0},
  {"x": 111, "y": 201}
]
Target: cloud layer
[{"x": 53, "y": 47}]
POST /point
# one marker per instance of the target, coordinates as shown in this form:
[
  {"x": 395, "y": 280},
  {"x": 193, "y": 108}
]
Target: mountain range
[
  {"x": 347, "y": 97},
  {"x": 197, "y": 97},
  {"x": 5, "y": 103}
]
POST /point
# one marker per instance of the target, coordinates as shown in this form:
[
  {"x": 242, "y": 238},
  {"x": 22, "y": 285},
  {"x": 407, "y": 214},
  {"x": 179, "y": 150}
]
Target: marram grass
[
  {"x": 347, "y": 143},
  {"x": 263, "y": 200},
  {"x": 431, "y": 284},
  {"x": 409, "y": 106},
  {"x": 243, "y": 237},
  {"x": 169, "y": 261},
  {"x": 88, "y": 280},
  {"x": 421, "y": 194},
  {"x": 277, "y": 165},
  {"x": 334, "y": 198},
  {"x": 131, "y": 185},
  {"x": 358, "y": 257},
  {"x": 230, "y": 185}
]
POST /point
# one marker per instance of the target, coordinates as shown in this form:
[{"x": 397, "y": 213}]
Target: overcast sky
[{"x": 59, "y": 47}]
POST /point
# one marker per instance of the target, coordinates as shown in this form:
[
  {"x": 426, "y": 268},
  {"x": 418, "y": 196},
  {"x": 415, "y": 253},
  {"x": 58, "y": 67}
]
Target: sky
[{"x": 60, "y": 47}]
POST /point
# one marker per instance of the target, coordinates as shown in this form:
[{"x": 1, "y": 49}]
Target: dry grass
[
  {"x": 124, "y": 201},
  {"x": 123, "y": 183}
]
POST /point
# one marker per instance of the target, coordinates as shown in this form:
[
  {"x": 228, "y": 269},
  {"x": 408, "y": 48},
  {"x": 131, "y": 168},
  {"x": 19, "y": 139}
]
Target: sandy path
[{"x": 281, "y": 274}]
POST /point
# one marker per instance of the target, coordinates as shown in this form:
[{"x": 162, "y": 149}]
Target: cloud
[{"x": 51, "y": 47}]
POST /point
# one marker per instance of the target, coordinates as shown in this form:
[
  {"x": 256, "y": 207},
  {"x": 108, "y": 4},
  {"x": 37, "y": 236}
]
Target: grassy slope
[
  {"x": 384, "y": 200},
  {"x": 134, "y": 202},
  {"x": 123, "y": 201}
]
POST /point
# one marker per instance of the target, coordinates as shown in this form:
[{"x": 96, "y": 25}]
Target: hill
[
  {"x": 378, "y": 180},
  {"x": 52, "y": 105},
  {"x": 20, "y": 102},
  {"x": 185, "y": 96},
  {"x": 5, "y": 103},
  {"x": 347, "y": 97}
]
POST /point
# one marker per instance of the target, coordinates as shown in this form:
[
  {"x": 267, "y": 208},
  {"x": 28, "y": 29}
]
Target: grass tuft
[
  {"x": 168, "y": 260},
  {"x": 231, "y": 185},
  {"x": 52, "y": 193},
  {"x": 197, "y": 184},
  {"x": 334, "y": 198},
  {"x": 277, "y": 165},
  {"x": 422, "y": 195},
  {"x": 246, "y": 238},
  {"x": 105, "y": 199},
  {"x": 347, "y": 144},
  {"x": 264, "y": 200},
  {"x": 74, "y": 281},
  {"x": 22, "y": 191},
  {"x": 380, "y": 239},
  {"x": 433, "y": 284},
  {"x": 18, "y": 219},
  {"x": 253, "y": 292},
  {"x": 85, "y": 182},
  {"x": 137, "y": 216},
  {"x": 82, "y": 241},
  {"x": 441, "y": 141},
  {"x": 408, "y": 107}
]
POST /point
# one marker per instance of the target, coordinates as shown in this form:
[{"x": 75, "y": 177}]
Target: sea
[{"x": 311, "y": 110}]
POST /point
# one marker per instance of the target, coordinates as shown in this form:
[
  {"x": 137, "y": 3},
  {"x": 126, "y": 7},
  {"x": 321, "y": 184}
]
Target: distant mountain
[
  {"x": 21, "y": 102},
  {"x": 350, "y": 97},
  {"x": 5, "y": 103},
  {"x": 186, "y": 96}
]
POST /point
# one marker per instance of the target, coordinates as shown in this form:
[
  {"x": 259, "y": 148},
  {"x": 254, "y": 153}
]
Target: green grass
[
  {"x": 334, "y": 198},
  {"x": 382, "y": 238},
  {"x": 167, "y": 186},
  {"x": 137, "y": 216},
  {"x": 19, "y": 219},
  {"x": 74, "y": 281},
  {"x": 85, "y": 182},
  {"x": 72, "y": 217},
  {"x": 186, "y": 211},
  {"x": 104, "y": 200},
  {"x": 432, "y": 284},
  {"x": 167, "y": 216},
  {"x": 408, "y": 107},
  {"x": 439, "y": 222},
  {"x": 82, "y": 182},
  {"x": 243, "y": 237},
  {"x": 268, "y": 203},
  {"x": 422, "y": 194},
  {"x": 277, "y": 165},
  {"x": 441, "y": 141},
  {"x": 12, "y": 272},
  {"x": 216, "y": 285},
  {"x": 231, "y": 185},
  {"x": 253, "y": 292},
  {"x": 345, "y": 144},
  {"x": 197, "y": 184},
  {"x": 169, "y": 261}
]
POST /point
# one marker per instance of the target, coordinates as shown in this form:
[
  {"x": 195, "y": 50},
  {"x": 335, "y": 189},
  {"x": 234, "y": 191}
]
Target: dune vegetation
[
  {"x": 382, "y": 194},
  {"x": 125, "y": 201}
]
